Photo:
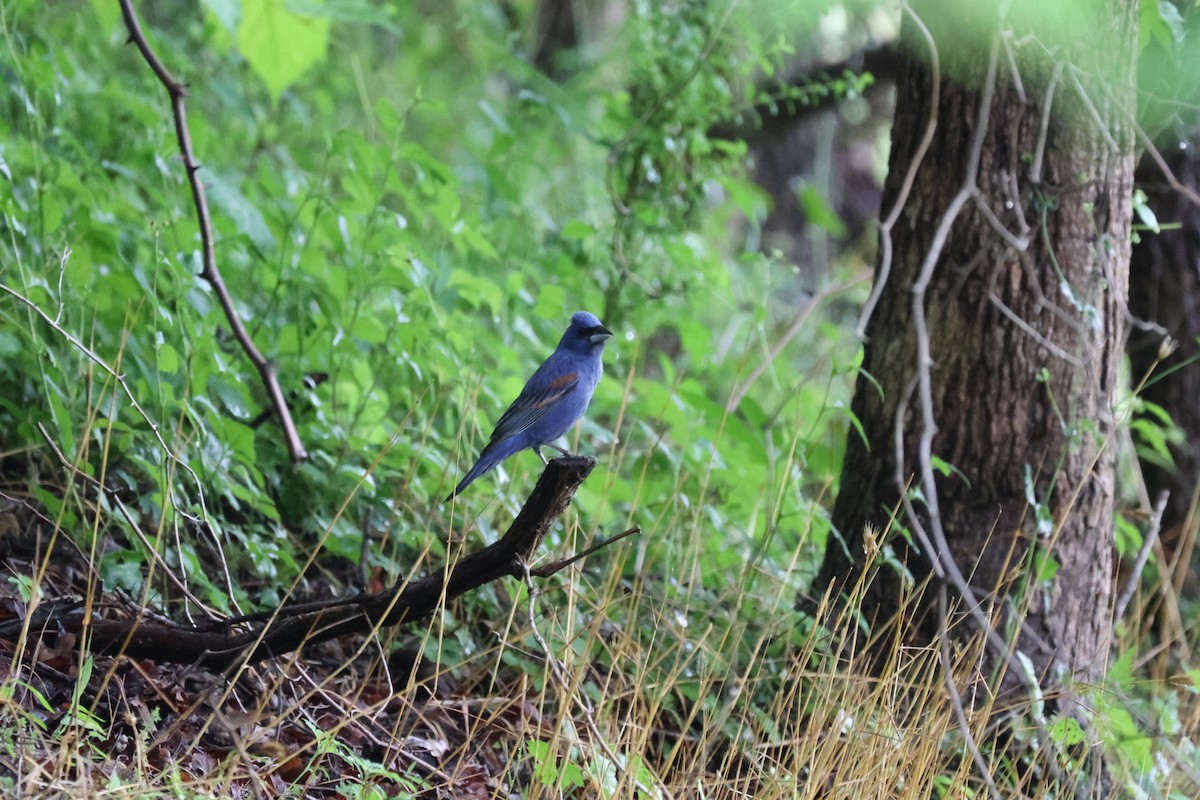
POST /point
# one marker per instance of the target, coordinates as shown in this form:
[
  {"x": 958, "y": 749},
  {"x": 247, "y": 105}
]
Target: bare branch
[
  {"x": 1039, "y": 152},
  {"x": 1135, "y": 575},
  {"x": 228, "y": 644},
  {"x": 547, "y": 570},
  {"x": 1029, "y": 331},
  {"x": 885, "y": 227},
  {"x": 936, "y": 547},
  {"x": 209, "y": 271},
  {"x": 1163, "y": 167}
]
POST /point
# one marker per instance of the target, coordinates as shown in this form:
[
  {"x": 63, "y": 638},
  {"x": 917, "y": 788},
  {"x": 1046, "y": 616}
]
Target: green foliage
[
  {"x": 406, "y": 213},
  {"x": 1159, "y": 21},
  {"x": 417, "y": 248},
  {"x": 368, "y": 775},
  {"x": 1154, "y": 432},
  {"x": 278, "y": 44},
  {"x": 79, "y": 721},
  {"x": 562, "y": 776},
  {"x": 1132, "y": 725},
  {"x": 1169, "y": 53}
]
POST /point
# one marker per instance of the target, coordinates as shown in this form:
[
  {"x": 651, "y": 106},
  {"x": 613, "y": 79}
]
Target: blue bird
[{"x": 552, "y": 401}]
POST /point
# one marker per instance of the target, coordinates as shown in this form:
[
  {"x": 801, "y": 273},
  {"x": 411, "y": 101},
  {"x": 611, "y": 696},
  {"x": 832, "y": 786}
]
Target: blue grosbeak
[{"x": 552, "y": 401}]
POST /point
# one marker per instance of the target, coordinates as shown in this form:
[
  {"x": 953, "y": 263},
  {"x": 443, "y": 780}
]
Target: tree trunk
[{"x": 1024, "y": 309}]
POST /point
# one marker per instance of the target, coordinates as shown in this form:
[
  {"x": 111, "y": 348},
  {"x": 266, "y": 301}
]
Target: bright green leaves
[
  {"x": 279, "y": 44},
  {"x": 1161, "y": 22}
]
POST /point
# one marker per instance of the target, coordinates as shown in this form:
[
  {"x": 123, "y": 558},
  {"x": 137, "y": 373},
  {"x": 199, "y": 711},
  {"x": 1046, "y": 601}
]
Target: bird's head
[{"x": 586, "y": 334}]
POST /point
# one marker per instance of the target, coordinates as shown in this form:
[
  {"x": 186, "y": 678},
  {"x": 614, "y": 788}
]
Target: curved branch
[{"x": 209, "y": 271}]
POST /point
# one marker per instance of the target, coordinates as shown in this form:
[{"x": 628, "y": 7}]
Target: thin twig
[
  {"x": 1018, "y": 243},
  {"x": 1094, "y": 112},
  {"x": 1029, "y": 331},
  {"x": 1135, "y": 575},
  {"x": 209, "y": 271},
  {"x": 1165, "y": 168},
  {"x": 558, "y": 566},
  {"x": 960, "y": 715},
  {"x": 1039, "y": 150},
  {"x": 739, "y": 392},
  {"x": 885, "y": 227}
]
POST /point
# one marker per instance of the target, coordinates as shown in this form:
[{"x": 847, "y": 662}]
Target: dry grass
[
  {"x": 608, "y": 682},
  {"x": 672, "y": 665}
]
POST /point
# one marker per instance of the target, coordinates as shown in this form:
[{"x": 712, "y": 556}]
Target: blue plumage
[{"x": 552, "y": 401}]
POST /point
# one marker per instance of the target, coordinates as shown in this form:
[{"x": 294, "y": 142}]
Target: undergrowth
[
  {"x": 406, "y": 218},
  {"x": 654, "y": 668}
]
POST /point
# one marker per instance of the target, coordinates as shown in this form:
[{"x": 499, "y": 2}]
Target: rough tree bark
[{"x": 1024, "y": 312}]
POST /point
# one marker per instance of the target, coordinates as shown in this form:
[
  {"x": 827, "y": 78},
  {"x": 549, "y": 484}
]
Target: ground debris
[{"x": 331, "y": 722}]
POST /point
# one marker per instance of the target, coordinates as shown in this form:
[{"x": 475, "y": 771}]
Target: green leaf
[
  {"x": 168, "y": 358},
  {"x": 750, "y": 198},
  {"x": 549, "y": 771},
  {"x": 225, "y": 12},
  {"x": 1128, "y": 537},
  {"x": 477, "y": 290},
  {"x": 278, "y": 44},
  {"x": 1045, "y": 566},
  {"x": 1067, "y": 732},
  {"x": 228, "y": 197},
  {"x": 1144, "y": 212},
  {"x": 946, "y": 469},
  {"x": 819, "y": 212},
  {"x": 109, "y": 14},
  {"x": 577, "y": 229},
  {"x": 551, "y": 301},
  {"x": 360, "y": 12},
  {"x": 1168, "y": 12}
]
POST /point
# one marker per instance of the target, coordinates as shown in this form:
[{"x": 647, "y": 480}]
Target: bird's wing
[{"x": 536, "y": 400}]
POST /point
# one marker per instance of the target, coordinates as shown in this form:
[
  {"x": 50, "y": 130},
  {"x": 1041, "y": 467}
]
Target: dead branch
[
  {"x": 1135, "y": 575},
  {"x": 253, "y": 639},
  {"x": 558, "y": 566}
]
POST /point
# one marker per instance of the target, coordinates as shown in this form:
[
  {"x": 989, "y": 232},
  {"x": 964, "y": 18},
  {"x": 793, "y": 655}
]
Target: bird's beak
[{"x": 599, "y": 334}]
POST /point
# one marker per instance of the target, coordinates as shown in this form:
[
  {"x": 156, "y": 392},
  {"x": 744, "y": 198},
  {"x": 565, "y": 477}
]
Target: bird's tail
[{"x": 492, "y": 455}]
